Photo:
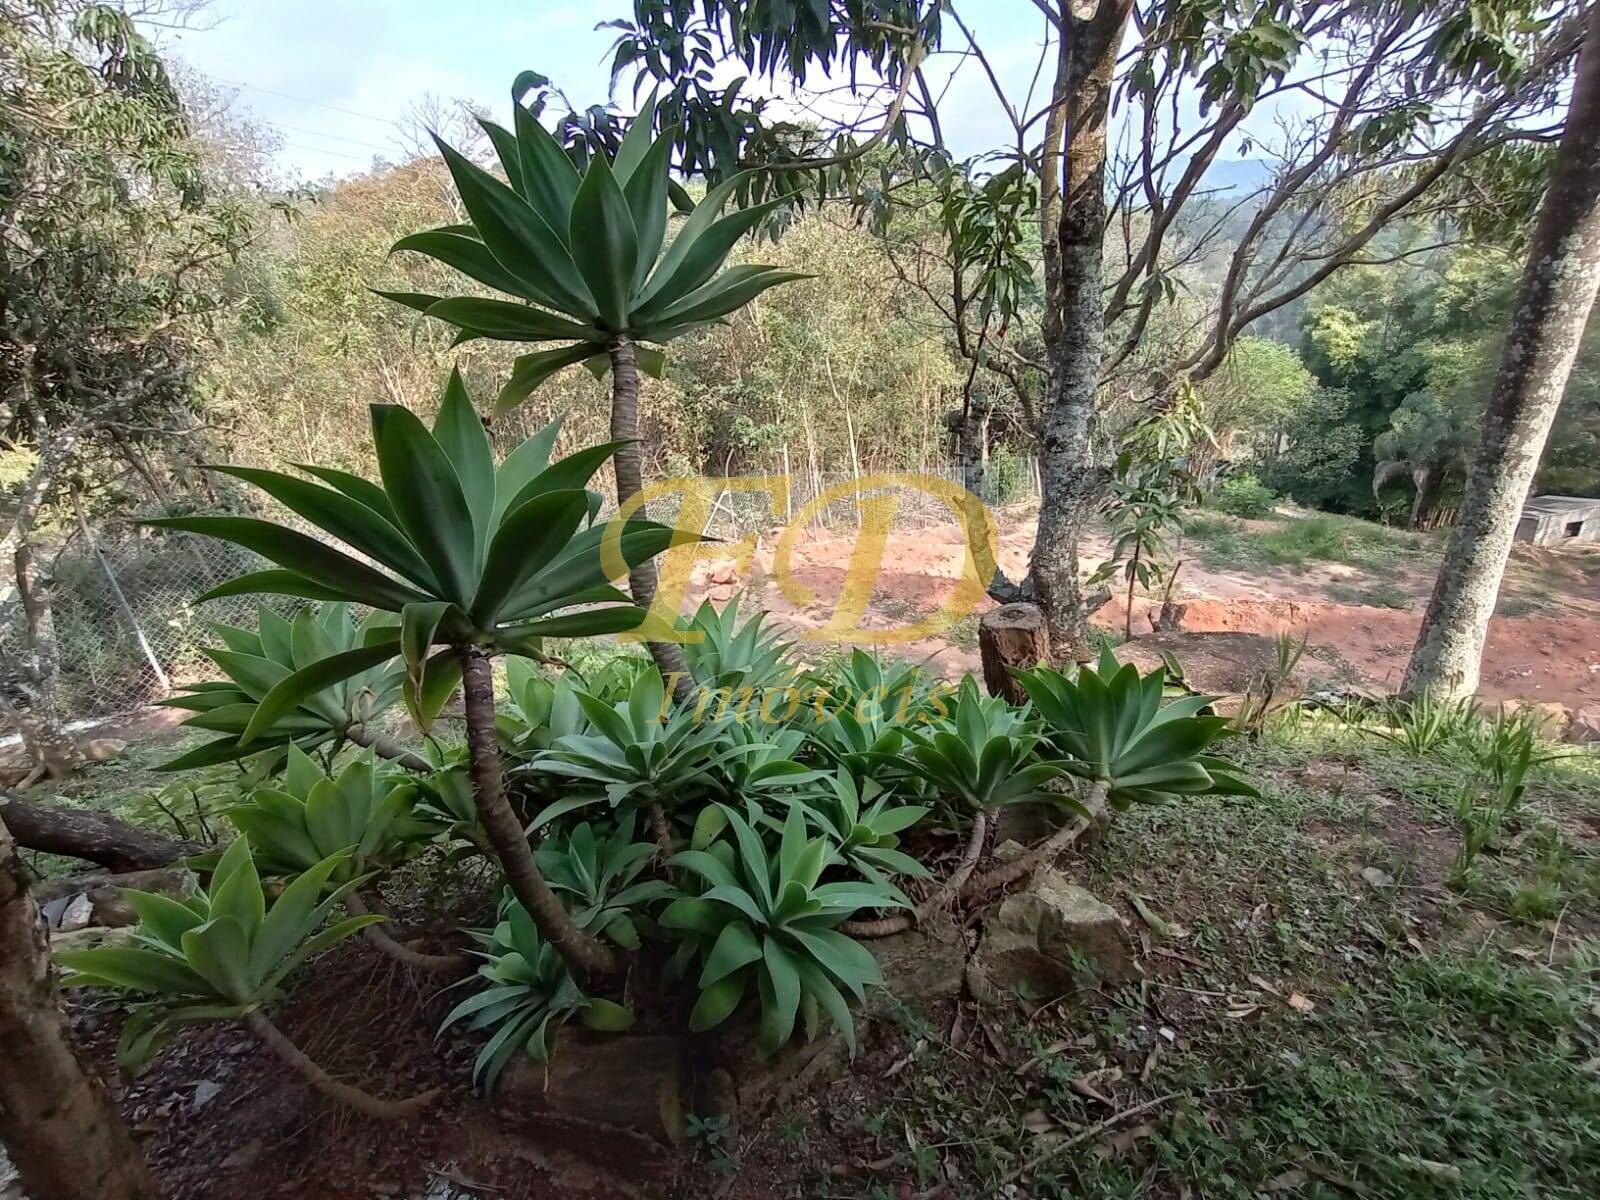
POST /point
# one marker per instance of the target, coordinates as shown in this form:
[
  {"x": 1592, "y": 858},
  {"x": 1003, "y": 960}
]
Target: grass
[
  {"x": 1295, "y": 541},
  {"x": 1445, "y": 1045}
]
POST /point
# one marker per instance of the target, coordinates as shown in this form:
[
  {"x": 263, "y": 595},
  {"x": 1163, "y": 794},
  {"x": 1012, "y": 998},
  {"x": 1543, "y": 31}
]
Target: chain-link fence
[{"x": 127, "y": 626}]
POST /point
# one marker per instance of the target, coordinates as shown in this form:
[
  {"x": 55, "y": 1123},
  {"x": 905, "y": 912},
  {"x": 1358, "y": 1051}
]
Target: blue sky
[{"x": 337, "y": 77}]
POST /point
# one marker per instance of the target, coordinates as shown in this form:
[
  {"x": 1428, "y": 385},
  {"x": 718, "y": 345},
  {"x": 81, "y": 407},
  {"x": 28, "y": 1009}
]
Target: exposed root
[{"x": 934, "y": 904}]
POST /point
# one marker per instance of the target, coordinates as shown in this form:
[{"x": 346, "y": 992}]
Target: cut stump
[{"x": 1011, "y": 637}]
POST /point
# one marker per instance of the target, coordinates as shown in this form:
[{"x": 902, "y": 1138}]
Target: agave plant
[
  {"x": 222, "y": 954},
  {"x": 525, "y": 995},
  {"x": 585, "y": 256},
  {"x": 766, "y": 923},
  {"x": 538, "y": 710},
  {"x": 768, "y": 766},
  {"x": 480, "y": 559},
  {"x": 982, "y": 757},
  {"x": 1111, "y": 727},
  {"x": 313, "y": 816},
  {"x": 643, "y": 753},
  {"x": 721, "y": 653},
  {"x": 255, "y": 661},
  {"x": 597, "y": 872},
  {"x": 864, "y": 823}
]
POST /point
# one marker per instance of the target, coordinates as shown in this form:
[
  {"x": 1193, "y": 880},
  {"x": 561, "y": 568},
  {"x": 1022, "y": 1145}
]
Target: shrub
[{"x": 1244, "y": 496}]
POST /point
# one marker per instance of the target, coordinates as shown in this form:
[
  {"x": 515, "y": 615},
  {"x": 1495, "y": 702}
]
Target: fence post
[{"x": 121, "y": 598}]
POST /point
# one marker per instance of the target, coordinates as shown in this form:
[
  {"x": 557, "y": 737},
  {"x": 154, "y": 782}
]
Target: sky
[{"x": 337, "y": 78}]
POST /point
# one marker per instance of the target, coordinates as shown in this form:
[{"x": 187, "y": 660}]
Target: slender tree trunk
[
  {"x": 630, "y": 481},
  {"x": 56, "y": 1121},
  {"x": 971, "y": 430},
  {"x": 587, "y": 957},
  {"x": 1553, "y": 305},
  {"x": 43, "y": 727},
  {"x": 1074, "y": 328}
]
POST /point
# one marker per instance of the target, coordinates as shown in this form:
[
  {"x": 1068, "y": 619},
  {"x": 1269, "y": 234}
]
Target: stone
[
  {"x": 78, "y": 914},
  {"x": 104, "y": 749},
  {"x": 1549, "y": 717},
  {"x": 631, "y": 1083},
  {"x": 1043, "y": 939},
  {"x": 91, "y": 936},
  {"x": 1585, "y": 725}
]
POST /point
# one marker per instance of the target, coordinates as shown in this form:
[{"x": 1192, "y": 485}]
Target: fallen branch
[
  {"x": 94, "y": 837},
  {"x": 1033, "y": 1162}
]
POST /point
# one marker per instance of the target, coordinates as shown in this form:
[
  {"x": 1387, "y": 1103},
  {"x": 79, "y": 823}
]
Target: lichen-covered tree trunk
[
  {"x": 1074, "y": 327},
  {"x": 630, "y": 481},
  {"x": 58, "y": 1126},
  {"x": 1553, "y": 305}
]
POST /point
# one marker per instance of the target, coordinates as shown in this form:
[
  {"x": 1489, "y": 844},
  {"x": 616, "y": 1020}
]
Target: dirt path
[{"x": 1549, "y": 651}]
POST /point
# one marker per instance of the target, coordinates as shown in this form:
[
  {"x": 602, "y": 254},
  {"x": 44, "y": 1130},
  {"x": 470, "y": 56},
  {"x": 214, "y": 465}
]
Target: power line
[
  {"x": 334, "y": 137},
  {"x": 349, "y": 112}
]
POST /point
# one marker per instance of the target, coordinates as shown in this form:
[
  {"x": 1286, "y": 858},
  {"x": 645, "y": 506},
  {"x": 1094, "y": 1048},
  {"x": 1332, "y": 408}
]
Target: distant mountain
[{"x": 1236, "y": 176}]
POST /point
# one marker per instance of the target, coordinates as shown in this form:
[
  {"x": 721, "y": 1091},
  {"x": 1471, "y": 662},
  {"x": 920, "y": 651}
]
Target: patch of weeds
[
  {"x": 1294, "y": 541},
  {"x": 1374, "y": 595}
]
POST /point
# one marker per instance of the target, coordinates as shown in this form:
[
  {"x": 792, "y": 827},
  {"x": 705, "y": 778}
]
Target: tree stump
[{"x": 1011, "y": 637}]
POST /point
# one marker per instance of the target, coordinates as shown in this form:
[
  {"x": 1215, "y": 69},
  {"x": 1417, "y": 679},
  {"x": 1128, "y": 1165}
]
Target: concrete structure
[{"x": 1556, "y": 520}]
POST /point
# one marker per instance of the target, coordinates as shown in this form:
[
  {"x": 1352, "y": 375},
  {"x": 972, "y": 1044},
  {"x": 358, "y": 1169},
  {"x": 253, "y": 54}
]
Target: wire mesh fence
[{"x": 128, "y": 628}]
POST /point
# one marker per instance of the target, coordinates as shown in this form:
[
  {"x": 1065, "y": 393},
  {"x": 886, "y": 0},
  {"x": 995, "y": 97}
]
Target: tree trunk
[
  {"x": 44, "y": 727},
  {"x": 587, "y": 957},
  {"x": 1553, "y": 305},
  {"x": 971, "y": 430},
  {"x": 113, "y": 843},
  {"x": 58, "y": 1125},
  {"x": 1011, "y": 638},
  {"x": 1073, "y": 328},
  {"x": 630, "y": 481}
]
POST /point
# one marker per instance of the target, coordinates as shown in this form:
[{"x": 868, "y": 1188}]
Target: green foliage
[
  {"x": 730, "y": 655},
  {"x": 525, "y": 995},
  {"x": 1243, "y": 495},
  {"x": 864, "y": 823},
  {"x": 1426, "y": 724},
  {"x": 1110, "y": 726},
  {"x": 537, "y": 711},
  {"x": 256, "y": 661},
  {"x": 644, "y": 749},
  {"x": 218, "y": 954},
  {"x": 598, "y": 872},
  {"x": 585, "y": 255},
  {"x": 981, "y": 757},
  {"x": 358, "y": 814},
  {"x": 478, "y": 554},
  {"x": 766, "y": 922}
]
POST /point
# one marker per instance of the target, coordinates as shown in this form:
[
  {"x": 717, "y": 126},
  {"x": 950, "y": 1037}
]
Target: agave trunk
[
  {"x": 386, "y": 747},
  {"x": 363, "y": 1102},
  {"x": 587, "y": 957},
  {"x": 625, "y": 430}
]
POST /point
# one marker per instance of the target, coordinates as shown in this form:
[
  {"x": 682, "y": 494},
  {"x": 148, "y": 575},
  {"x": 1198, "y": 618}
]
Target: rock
[
  {"x": 104, "y": 890},
  {"x": 78, "y": 914},
  {"x": 104, "y": 749},
  {"x": 89, "y": 937},
  {"x": 205, "y": 1092},
  {"x": 631, "y": 1083},
  {"x": 1045, "y": 937},
  {"x": 1585, "y": 725},
  {"x": 921, "y": 966},
  {"x": 1550, "y": 718},
  {"x": 1377, "y": 877}
]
